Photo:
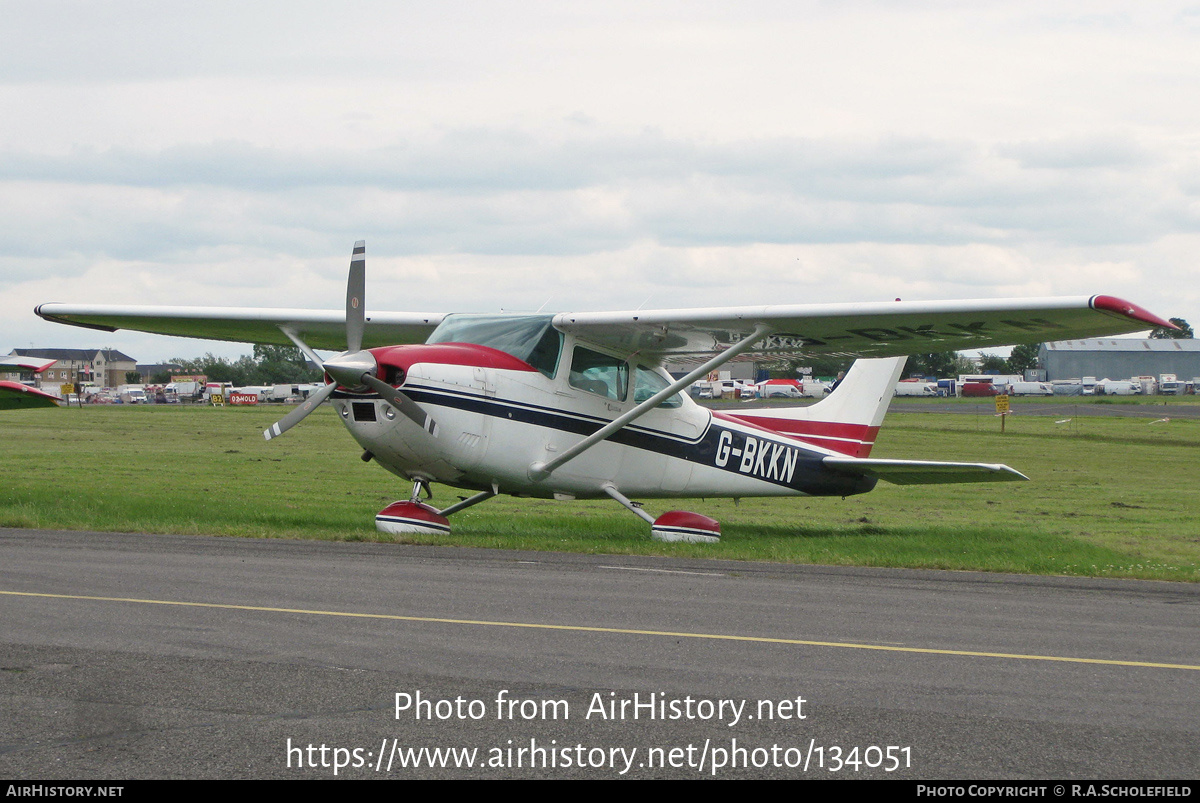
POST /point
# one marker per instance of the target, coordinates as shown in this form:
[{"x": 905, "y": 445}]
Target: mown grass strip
[{"x": 1110, "y": 497}]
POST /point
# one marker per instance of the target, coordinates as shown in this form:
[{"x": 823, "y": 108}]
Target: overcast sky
[{"x": 588, "y": 156}]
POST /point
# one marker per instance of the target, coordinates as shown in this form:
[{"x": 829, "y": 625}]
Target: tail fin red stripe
[{"x": 851, "y": 439}]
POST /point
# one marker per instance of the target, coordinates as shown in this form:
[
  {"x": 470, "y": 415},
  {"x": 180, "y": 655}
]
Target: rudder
[{"x": 847, "y": 420}]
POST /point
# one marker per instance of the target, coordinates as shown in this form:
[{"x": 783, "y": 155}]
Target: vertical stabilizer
[{"x": 846, "y": 420}]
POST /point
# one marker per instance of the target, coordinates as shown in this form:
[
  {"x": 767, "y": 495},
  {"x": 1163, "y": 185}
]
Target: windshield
[{"x": 527, "y": 337}]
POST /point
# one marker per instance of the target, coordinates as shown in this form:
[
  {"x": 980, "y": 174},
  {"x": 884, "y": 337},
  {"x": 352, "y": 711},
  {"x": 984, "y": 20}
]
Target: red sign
[{"x": 243, "y": 398}]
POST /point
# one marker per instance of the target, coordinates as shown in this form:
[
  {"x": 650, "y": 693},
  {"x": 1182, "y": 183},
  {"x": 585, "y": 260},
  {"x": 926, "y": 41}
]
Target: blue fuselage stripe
[{"x": 773, "y": 460}]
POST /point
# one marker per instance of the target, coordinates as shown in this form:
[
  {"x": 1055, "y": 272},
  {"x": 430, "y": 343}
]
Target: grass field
[{"x": 1110, "y": 497}]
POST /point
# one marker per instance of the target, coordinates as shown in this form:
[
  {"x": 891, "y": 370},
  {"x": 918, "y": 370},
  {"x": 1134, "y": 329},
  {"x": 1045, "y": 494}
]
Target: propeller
[{"x": 355, "y": 368}]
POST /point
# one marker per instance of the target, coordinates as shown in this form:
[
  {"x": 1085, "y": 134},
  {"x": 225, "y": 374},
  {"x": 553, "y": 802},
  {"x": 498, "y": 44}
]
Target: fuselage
[{"x": 497, "y": 415}]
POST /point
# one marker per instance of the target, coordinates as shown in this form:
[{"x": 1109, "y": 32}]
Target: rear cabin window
[
  {"x": 648, "y": 383},
  {"x": 599, "y": 373}
]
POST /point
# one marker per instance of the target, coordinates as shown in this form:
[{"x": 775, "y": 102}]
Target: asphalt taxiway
[{"x": 131, "y": 656}]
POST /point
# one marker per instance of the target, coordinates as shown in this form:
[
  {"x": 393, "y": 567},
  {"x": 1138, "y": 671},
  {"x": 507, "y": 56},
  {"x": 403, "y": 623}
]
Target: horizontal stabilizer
[
  {"x": 15, "y": 396},
  {"x": 923, "y": 472},
  {"x": 35, "y": 365}
]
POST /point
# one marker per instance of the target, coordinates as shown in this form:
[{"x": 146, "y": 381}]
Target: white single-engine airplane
[{"x": 578, "y": 405}]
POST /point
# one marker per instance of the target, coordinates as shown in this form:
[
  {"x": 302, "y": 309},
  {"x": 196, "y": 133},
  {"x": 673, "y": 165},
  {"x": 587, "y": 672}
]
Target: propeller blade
[
  {"x": 353, "y": 367},
  {"x": 356, "y": 288},
  {"x": 296, "y": 416},
  {"x": 402, "y": 403}
]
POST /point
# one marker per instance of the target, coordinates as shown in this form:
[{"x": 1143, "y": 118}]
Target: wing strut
[
  {"x": 636, "y": 509},
  {"x": 541, "y": 470}
]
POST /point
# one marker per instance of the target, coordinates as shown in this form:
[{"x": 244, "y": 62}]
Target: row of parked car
[
  {"x": 769, "y": 389},
  {"x": 976, "y": 389},
  {"x": 1164, "y": 385}
]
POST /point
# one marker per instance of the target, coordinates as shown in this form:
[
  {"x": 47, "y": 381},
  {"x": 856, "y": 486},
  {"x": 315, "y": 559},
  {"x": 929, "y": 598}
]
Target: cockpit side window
[
  {"x": 599, "y": 373},
  {"x": 648, "y": 382}
]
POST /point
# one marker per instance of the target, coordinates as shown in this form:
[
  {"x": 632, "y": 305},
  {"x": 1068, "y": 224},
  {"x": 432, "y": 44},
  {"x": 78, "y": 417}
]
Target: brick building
[{"x": 104, "y": 367}]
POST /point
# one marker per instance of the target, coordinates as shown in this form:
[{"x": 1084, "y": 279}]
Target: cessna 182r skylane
[{"x": 578, "y": 405}]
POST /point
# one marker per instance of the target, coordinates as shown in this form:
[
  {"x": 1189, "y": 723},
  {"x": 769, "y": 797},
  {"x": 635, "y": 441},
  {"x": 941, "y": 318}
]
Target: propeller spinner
[{"x": 355, "y": 368}]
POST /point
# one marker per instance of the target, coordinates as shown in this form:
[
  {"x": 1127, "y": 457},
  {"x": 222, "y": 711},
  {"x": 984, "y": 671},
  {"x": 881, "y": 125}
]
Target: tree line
[{"x": 269, "y": 365}]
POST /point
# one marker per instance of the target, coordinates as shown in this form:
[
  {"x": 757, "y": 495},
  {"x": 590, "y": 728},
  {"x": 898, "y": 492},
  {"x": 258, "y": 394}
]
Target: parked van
[
  {"x": 131, "y": 394},
  {"x": 780, "y": 388},
  {"x": 1030, "y": 389},
  {"x": 979, "y": 389},
  {"x": 1116, "y": 387},
  {"x": 915, "y": 388}
]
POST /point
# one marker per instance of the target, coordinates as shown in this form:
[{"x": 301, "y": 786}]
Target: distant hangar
[{"x": 1115, "y": 358}]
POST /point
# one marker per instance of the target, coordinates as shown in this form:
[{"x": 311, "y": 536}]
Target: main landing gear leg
[
  {"x": 414, "y": 516},
  {"x": 676, "y": 525}
]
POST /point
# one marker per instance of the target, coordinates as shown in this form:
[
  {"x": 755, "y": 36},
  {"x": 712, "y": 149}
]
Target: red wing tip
[{"x": 1125, "y": 308}]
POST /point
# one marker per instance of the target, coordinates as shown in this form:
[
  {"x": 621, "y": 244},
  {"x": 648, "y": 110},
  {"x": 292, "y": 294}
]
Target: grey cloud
[
  {"x": 473, "y": 159},
  {"x": 509, "y": 192},
  {"x": 1076, "y": 153}
]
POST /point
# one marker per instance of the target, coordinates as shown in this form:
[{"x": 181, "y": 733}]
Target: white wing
[
  {"x": 862, "y": 330},
  {"x": 321, "y": 329},
  {"x": 857, "y": 330}
]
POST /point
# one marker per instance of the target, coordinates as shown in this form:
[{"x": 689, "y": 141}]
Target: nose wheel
[
  {"x": 406, "y": 518},
  {"x": 417, "y": 517}
]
